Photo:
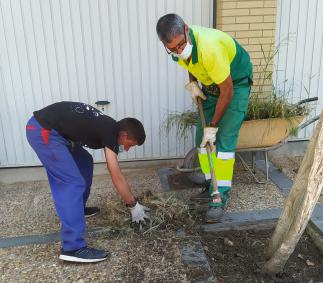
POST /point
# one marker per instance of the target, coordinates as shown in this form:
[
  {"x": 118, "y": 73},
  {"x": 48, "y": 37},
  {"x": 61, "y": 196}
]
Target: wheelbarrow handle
[
  {"x": 310, "y": 99},
  {"x": 308, "y": 122}
]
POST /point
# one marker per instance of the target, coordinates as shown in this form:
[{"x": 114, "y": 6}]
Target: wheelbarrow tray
[{"x": 266, "y": 132}]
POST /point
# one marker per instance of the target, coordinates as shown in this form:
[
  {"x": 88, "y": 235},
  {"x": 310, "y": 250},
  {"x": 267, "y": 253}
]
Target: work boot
[
  {"x": 91, "y": 211},
  {"x": 84, "y": 255},
  {"x": 201, "y": 196},
  {"x": 214, "y": 214}
]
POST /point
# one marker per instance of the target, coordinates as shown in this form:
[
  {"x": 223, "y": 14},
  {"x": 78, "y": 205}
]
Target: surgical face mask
[
  {"x": 121, "y": 148},
  {"x": 186, "y": 53}
]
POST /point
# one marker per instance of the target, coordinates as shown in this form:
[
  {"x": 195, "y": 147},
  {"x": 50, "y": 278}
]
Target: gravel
[
  {"x": 129, "y": 262},
  {"x": 26, "y": 208}
]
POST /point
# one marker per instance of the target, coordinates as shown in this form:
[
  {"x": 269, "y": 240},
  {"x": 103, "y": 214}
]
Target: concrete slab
[
  {"x": 317, "y": 219},
  {"x": 45, "y": 238},
  {"x": 245, "y": 220},
  {"x": 195, "y": 260}
]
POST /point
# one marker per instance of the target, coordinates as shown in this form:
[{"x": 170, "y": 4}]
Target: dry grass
[
  {"x": 273, "y": 107},
  {"x": 167, "y": 213},
  {"x": 182, "y": 121},
  {"x": 258, "y": 108}
]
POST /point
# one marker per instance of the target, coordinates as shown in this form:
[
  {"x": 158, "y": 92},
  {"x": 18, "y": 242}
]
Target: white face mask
[{"x": 186, "y": 53}]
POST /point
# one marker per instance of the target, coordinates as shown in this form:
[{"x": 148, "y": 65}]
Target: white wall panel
[
  {"x": 299, "y": 62},
  {"x": 89, "y": 50}
]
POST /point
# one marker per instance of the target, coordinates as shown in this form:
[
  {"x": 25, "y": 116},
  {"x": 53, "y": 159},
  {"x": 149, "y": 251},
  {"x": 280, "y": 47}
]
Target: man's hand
[
  {"x": 209, "y": 134},
  {"x": 195, "y": 90},
  {"x": 138, "y": 213}
]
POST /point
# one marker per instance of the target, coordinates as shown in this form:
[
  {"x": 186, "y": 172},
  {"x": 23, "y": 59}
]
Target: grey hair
[{"x": 169, "y": 26}]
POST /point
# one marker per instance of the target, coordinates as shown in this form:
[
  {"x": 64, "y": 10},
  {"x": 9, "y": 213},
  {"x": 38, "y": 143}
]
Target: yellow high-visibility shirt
[{"x": 215, "y": 56}]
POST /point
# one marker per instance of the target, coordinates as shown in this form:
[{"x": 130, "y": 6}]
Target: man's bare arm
[
  {"x": 226, "y": 94},
  {"x": 117, "y": 176}
]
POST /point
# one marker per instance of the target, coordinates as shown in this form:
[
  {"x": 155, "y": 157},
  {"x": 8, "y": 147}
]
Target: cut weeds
[{"x": 168, "y": 213}]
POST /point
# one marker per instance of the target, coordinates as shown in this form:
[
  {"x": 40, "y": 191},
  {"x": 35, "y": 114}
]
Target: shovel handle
[{"x": 208, "y": 147}]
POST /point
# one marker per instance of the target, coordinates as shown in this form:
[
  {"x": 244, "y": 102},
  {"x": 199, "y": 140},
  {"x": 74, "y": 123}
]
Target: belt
[{"x": 212, "y": 89}]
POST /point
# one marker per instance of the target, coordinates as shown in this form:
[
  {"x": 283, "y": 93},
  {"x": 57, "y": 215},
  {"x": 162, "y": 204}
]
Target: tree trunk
[{"x": 299, "y": 205}]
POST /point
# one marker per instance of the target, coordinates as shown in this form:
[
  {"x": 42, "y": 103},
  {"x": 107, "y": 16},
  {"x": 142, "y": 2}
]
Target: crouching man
[{"x": 58, "y": 133}]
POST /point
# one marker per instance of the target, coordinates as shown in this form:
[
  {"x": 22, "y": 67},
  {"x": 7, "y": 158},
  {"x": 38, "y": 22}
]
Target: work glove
[
  {"x": 195, "y": 90},
  {"x": 209, "y": 134},
  {"x": 138, "y": 213}
]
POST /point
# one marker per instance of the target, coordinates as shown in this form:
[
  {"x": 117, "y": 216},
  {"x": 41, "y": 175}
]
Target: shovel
[{"x": 216, "y": 194}]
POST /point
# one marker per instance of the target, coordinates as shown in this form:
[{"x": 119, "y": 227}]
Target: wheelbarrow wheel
[{"x": 191, "y": 166}]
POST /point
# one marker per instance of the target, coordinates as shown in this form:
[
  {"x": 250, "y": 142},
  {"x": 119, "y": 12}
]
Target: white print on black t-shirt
[{"x": 83, "y": 108}]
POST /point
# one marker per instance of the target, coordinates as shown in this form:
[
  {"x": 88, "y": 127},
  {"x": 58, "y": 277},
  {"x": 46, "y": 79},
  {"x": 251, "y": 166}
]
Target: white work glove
[
  {"x": 138, "y": 213},
  {"x": 209, "y": 134},
  {"x": 195, "y": 90}
]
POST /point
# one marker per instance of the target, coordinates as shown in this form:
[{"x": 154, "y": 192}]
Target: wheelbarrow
[{"x": 271, "y": 134}]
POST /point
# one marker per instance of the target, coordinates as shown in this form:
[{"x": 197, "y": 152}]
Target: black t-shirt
[{"x": 80, "y": 123}]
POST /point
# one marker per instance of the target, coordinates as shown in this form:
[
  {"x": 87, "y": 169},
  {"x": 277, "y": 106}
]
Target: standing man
[
  {"x": 57, "y": 133},
  {"x": 224, "y": 70}
]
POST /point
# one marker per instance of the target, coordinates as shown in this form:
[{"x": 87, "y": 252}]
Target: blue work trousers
[{"x": 70, "y": 173}]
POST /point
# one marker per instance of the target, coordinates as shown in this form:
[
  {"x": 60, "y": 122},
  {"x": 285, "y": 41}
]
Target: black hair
[
  {"x": 169, "y": 26},
  {"x": 133, "y": 128}
]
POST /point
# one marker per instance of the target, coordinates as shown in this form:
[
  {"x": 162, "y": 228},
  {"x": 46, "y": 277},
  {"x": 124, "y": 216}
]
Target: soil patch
[{"x": 238, "y": 256}]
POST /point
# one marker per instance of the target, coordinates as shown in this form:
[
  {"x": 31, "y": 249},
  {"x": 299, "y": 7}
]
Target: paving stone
[
  {"x": 195, "y": 260},
  {"x": 318, "y": 212},
  {"x": 44, "y": 239},
  {"x": 245, "y": 220},
  {"x": 29, "y": 240},
  {"x": 317, "y": 218}
]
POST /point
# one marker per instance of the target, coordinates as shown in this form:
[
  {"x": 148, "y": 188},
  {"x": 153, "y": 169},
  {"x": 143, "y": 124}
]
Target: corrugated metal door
[
  {"x": 89, "y": 50},
  {"x": 299, "y": 62}
]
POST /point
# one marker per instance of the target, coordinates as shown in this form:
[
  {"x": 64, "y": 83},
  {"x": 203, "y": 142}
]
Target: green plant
[
  {"x": 258, "y": 108},
  {"x": 182, "y": 121}
]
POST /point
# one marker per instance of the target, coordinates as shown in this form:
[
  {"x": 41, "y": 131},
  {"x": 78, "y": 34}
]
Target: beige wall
[{"x": 252, "y": 23}]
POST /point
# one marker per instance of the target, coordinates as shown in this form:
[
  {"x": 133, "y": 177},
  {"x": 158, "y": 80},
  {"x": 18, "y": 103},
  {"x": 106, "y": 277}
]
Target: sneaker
[
  {"x": 214, "y": 214},
  {"x": 91, "y": 211},
  {"x": 202, "y": 196},
  {"x": 85, "y": 254}
]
